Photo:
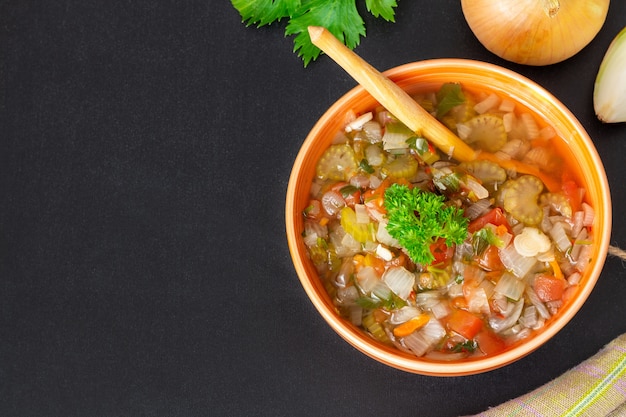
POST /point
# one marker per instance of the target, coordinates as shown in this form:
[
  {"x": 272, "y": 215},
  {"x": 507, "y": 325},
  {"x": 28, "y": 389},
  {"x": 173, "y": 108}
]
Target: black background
[{"x": 145, "y": 152}]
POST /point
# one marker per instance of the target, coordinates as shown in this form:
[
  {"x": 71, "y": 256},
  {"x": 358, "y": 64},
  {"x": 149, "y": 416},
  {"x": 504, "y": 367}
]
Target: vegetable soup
[{"x": 441, "y": 259}]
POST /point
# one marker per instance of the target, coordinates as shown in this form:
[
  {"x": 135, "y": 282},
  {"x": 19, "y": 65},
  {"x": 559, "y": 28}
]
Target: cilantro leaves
[
  {"x": 449, "y": 96},
  {"x": 340, "y": 17}
]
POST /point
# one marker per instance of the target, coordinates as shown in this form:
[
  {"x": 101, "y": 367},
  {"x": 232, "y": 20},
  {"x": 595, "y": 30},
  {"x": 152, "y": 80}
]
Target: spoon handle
[{"x": 391, "y": 96}]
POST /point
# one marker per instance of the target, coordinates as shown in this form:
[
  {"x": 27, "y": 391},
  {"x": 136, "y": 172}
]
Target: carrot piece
[
  {"x": 358, "y": 261},
  {"x": 410, "y": 326},
  {"x": 557, "y": 269},
  {"x": 464, "y": 323},
  {"x": 375, "y": 262}
]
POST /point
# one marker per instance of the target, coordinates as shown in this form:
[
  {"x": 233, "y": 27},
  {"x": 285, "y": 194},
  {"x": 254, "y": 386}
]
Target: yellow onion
[
  {"x": 535, "y": 32},
  {"x": 609, "y": 92}
]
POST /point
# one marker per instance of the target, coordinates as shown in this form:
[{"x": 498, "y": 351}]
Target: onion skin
[
  {"x": 609, "y": 93},
  {"x": 535, "y": 32}
]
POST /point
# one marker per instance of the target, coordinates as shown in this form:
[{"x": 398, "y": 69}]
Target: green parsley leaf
[
  {"x": 265, "y": 12},
  {"x": 467, "y": 346},
  {"x": 483, "y": 238},
  {"x": 340, "y": 17},
  {"x": 365, "y": 166},
  {"x": 348, "y": 190},
  {"x": 382, "y": 8},
  {"x": 449, "y": 96},
  {"x": 391, "y": 303},
  {"x": 417, "y": 219}
]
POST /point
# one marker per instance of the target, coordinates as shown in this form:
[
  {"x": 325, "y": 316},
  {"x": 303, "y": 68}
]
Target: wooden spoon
[{"x": 402, "y": 106}]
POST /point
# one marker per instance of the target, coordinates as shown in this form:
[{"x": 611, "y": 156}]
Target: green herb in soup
[{"x": 443, "y": 259}]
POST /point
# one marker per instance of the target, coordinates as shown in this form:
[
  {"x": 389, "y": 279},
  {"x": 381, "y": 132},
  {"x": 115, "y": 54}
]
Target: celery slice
[{"x": 338, "y": 163}]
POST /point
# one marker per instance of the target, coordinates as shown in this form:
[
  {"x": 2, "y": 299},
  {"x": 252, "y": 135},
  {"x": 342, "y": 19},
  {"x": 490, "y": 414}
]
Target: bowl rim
[{"x": 391, "y": 356}]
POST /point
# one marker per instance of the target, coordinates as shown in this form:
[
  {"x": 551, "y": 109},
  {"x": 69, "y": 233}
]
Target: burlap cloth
[{"x": 594, "y": 388}]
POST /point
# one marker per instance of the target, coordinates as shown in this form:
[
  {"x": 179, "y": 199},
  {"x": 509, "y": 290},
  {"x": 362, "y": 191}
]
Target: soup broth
[{"x": 442, "y": 259}]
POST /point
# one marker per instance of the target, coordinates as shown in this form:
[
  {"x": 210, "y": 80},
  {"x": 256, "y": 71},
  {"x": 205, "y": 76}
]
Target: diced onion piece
[
  {"x": 423, "y": 340},
  {"x": 384, "y": 253},
  {"x": 357, "y": 124},
  {"x": 584, "y": 257},
  {"x": 529, "y": 317},
  {"x": 534, "y": 299},
  {"x": 333, "y": 202},
  {"x": 463, "y": 130},
  {"x": 374, "y": 155},
  {"x": 455, "y": 290},
  {"x": 400, "y": 281},
  {"x": 491, "y": 102},
  {"x": 516, "y": 263},
  {"x": 375, "y": 182},
  {"x": 577, "y": 222},
  {"x": 547, "y": 132},
  {"x": 360, "y": 181},
  {"x": 475, "y": 187},
  {"x": 383, "y": 236},
  {"x": 356, "y": 315},
  {"x": 427, "y": 299},
  {"x": 539, "y": 156},
  {"x": 440, "y": 310},
  {"x": 510, "y": 286},
  {"x": 361, "y": 214},
  {"x": 344, "y": 276},
  {"x": 579, "y": 242},
  {"x": 347, "y": 296},
  {"x": 589, "y": 214},
  {"x": 404, "y": 314},
  {"x": 509, "y": 121},
  {"x": 560, "y": 238},
  {"x": 531, "y": 242},
  {"x": 367, "y": 279},
  {"x": 372, "y": 131},
  {"x": 350, "y": 243},
  {"x": 381, "y": 291},
  {"x": 500, "y": 323},
  {"x": 531, "y": 125},
  {"x": 574, "y": 278},
  {"x": 514, "y": 148},
  {"x": 507, "y": 105},
  {"x": 477, "y": 301},
  {"x": 477, "y": 209}
]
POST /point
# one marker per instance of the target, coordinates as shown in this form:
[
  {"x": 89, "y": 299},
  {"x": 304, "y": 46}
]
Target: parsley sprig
[
  {"x": 340, "y": 17},
  {"x": 417, "y": 219}
]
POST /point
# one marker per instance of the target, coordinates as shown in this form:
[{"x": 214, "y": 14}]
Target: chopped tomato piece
[
  {"x": 494, "y": 216},
  {"x": 350, "y": 193},
  {"x": 548, "y": 287},
  {"x": 489, "y": 343},
  {"x": 465, "y": 323},
  {"x": 374, "y": 200},
  {"x": 441, "y": 252},
  {"x": 571, "y": 190},
  {"x": 490, "y": 259}
]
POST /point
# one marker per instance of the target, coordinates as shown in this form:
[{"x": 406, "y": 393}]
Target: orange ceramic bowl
[{"x": 423, "y": 76}]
